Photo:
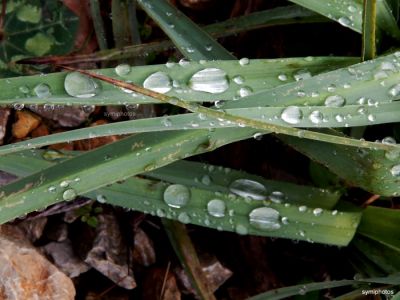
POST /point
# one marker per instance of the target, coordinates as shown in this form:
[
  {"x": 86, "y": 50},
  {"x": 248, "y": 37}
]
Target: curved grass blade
[
  {"x": 186, "y": 252},
  {"x": 373, "y": 170},
  {"x": 369, "y": 30},
  {"x": 98, "y": 24},
  {"x": 386, "y": 20},
  {"x": 302, "y": 289},
  {"x": 273, "y": 17},
  {"x": 317, "y": 117},
  {"x": 147, "y": 196},
  {"x": 189, "y": 38},
  {"x": 212, "y": 178},
  {"x": 262, "y": 74}
]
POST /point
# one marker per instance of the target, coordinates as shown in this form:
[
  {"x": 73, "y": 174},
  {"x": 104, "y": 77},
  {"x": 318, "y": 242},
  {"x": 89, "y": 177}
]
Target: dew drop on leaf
[
  {"x": 216, "y": 208},
  {"x": 122, "y": 69},
  {"x": 210, "y": 80},
  {"x": 42, "y": 90},
  {"x": 80, "y": 86},
  {"x": 69, "y": 195},
  {"x": 158, "y": 82},
  {"x": 265, "y": 218},
  {"x": 292, "y": 115},
  {"x": 248, "y": 189},
  {"x": 176, "y": 195},
  {"x": 335, "y": 101}
]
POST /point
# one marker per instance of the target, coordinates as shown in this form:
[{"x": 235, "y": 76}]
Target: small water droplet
[
  {"x": 292, "y": 115},
  {"x": 184, "y": 218},
  {"x": 80, "y": 86},
  {"x": 302, "y": 75},
  {"x": 317, "y": 211},
  {"x": 122, "y": 69},
  {"x": 238, "y": 79},
  {"x": 24, "y": 89},
  {"x": 282, "y": 77},
  {"x": 206, "y": 180},
  {"x": 277, "y": 197},
  {"x": 248, "y": 189},
  {"x": 176, "y": 195},
  {"x": 394, "y": 90},
  {"x": 316, "y": 117},
  {"x": 344, "y": 21},
  {"x": 265, "y": 218},
  {"x": 210, "y": 80},
  {"x": 158, "y": 82},
  {"x": 395, "y": 170},
  {"x": 302, "y": 208},
  {"x": 258, "y": 136},
  {"x": 101, "y": 198},
  {"x": 69, "y": 195},
  {"x": 18, "y": 106},
  {"x": 245, "y": 91},
  {"x": 216, "y": 208},
  {"x": 351, "y": 8},
  {"x": 371, "y": 118},
  {"x": 64, "y": 183},
  {"x": 42, "y": 90},
  {"x": 244, "y": 61},
  {"x": 335, "y": 101},
  {"x": 184, "y": 62},
  {"x": 241, "y": 229},
  {"x": 52, "y": 189}
]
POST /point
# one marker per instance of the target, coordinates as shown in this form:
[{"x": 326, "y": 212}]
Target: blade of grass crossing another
[{"x": 369, "y": 30}]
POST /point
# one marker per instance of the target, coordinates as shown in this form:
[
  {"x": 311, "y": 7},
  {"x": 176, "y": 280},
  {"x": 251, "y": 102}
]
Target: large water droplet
[
  {"x": 389, "y": 140},
  {"x": 210, "y": 80},
  {"x": 80, "y": 86},
  {"x": 395, "y": 170},
  {"x": 42, "y": 90},
  {"x": 292, "y": 115},
  {"x": 248, "y": 189},
  {"x": 176, "y": 195},
  {"x": 123, "y": 69},
  {"x": 265, "y": 218},
  {"x": 158, "y": 82},
  {"x": 216, "y": 208},
  {"x": 69, "y": 195},
  {"x": 335, "y": 101}
]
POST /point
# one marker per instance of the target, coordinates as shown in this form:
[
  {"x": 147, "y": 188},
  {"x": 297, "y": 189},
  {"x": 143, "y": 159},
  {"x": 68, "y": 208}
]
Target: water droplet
[
  {"x": 210, "y": 80},
  {"x": 238, "y": 79},
  {"x": 24, "y": 89},
  {"x": 206, "y": 180},
  {"x": 316, "y": 117},
  {"x": 241, "y": 229},
  {"x": 80, "y": 86},
  {"x": 69, "y": 195},
  {"x": 265, "y": 218},
  {"x": 219, "y": 103},
  {"x": 258, "y": 136},
  {"x": 122, "y": 69},
  {"x": 52, "y": 189},
  {"x": 389, "y": 140},
  {"x": 285, "y": 220},
  {"x": 335, "y": 101},
  {"x": 371, "y": 118},
  {"x": 42, "y": 90},
  {"x": 248, "y": 189},
  {"x": 394, "y": 90},
  {"x": 334, "y": 212},
  {"x": 158, "y": 82},
  {"x": 282, "y": 77},
  {"x": 277, "y": 196},
  {"x": 208, "y": 47},
  {"x": 395, "y": 170},
  {"x": 64, "y": 183},
  {"x": 302, "y": 208},
  {"x": 18, "y": 106},
  {"x": 292, "y": 115},
  {"x": 166, "y": 122},
  {"x": 184, "y": 218},
  {"x": 317, "y": 211},
  {"x": 176, "y": 195},
  {"x": 244, "y": 61},
  {"x": 216, "y": 208},
  {"x": 339, "y": 118},
  {"x": 245, "y": 91},
  {"x": 302, "y": 75},
  {"x": 344, "y": 21},
  {"x": 101, "y": 198},
  {"x": 351, "y": 8},
  {"x": 184, "y": 62}
]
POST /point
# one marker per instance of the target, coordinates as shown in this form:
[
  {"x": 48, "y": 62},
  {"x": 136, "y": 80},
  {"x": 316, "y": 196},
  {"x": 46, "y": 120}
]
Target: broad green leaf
[
  {"x": 373, "y": 170},
  {"x": 206, "y": 183},
  {"x": 186, "y": 35},
  {"x": 35, "y": 28},
  {"x": 260, "y": 75}
]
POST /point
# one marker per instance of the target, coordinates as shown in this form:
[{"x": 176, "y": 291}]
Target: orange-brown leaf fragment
[{"x": 26, "y": 122}]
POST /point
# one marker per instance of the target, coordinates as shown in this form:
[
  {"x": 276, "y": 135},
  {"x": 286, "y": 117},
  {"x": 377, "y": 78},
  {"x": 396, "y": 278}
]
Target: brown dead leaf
[
  {"x": 42, "y": 130},
  {"x": 93, "y": 143},
  {"x": 65, "y": 116},
  {"x": 143, "y": 251},
  {"x": 25, "y": 273},
  {"x": 26, "y": 122},
  {"x": 4, "y": 114},
  {"x": 160, "y": 284}
]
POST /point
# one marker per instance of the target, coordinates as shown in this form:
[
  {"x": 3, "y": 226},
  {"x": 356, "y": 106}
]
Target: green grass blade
[
  {"x": 332, "y": 228},
  {"x": 369, "y": 30},
  {"x": 203, "y": 176},
  {"x": 385, "y": 113},
  {"x": 189, "y": 38},
  {"x": 372, "y": 170},
  {"x": 386, "y": 20},
  {"x": 98, "y": 24},
  {"x": 260, "y": 75}
]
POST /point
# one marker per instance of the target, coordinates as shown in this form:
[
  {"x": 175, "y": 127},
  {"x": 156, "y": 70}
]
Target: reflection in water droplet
[
  {"x": 80, "y": 86},
  {"x": 248, "y": 189},
  {"x": 158, "y": 82},
  {"x": 292, "y": 115},
  {"x": 265, "y": 218},
  {"x": 216, "y": 208},
  {"x": 176, "y": 195},
  {"x": 210, "y": 80}
]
